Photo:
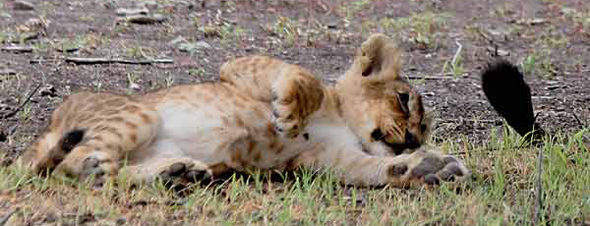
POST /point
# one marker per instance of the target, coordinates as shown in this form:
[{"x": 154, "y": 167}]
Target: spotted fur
[{"x": 264, "y": 114}]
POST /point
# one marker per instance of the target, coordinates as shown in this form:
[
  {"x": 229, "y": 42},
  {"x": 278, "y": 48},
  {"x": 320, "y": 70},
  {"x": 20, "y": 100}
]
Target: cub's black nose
[
  {"x": 409, "y": 137},
  {"x": 411, "y": 141}
]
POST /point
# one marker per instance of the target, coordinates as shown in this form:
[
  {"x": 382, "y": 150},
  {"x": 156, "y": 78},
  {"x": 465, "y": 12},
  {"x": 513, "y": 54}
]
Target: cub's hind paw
[
  {"x": 95, "y": 166},
  {"x": 285, "y": 122},
  {"x": 179, "y": 174},
  {"x": 295, "y": 98}
]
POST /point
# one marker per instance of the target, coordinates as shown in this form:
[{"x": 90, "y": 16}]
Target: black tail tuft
[
  {"x": 509, "y": 94},
  {"x": 70, "y": 139}
]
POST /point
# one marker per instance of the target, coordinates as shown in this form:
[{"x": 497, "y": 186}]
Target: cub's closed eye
[
  {"x": 377, "y": 134},
  {"x": 403, "y": 100},
  {"x": 423, "y": 127}
]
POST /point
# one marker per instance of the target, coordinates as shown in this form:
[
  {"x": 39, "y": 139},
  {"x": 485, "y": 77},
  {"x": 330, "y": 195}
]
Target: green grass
[
  {"x": 421, "y": 29},
  {"x": 501, "y": 193}
]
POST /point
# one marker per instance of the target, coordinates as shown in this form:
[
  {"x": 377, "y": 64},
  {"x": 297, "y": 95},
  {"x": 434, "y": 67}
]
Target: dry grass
[{"x": 501, "y": 193}]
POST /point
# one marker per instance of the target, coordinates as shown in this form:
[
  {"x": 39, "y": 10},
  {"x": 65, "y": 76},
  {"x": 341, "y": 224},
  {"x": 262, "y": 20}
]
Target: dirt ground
[{"x": 549, "y": 39}]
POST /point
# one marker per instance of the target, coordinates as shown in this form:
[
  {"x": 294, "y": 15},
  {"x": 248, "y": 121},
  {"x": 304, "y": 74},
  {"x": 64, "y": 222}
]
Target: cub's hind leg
[
  {"x": 293, "y": 91},
  {"x": 90, "y": 133},
  {"x": 295, "y": 97}
]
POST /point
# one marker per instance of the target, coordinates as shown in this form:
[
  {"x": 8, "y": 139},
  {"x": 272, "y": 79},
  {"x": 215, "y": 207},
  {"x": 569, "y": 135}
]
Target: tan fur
[{"x": 264, "y": 114}]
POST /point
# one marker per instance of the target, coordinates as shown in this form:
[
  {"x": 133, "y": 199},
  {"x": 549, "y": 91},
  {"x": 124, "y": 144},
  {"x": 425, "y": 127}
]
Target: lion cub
[{"x": 264, "y": 114}]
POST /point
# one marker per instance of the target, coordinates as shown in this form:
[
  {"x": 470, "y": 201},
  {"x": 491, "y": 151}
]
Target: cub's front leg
[
  {"x": 296, "y": 96},
  {"x": 358, "y": 168}
]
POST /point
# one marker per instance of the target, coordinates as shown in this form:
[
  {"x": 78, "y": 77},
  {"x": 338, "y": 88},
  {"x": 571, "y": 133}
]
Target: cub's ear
[{"x": 379, "y": 57}]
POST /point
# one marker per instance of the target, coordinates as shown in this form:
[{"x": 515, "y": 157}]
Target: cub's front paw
[{"x": 428, "y": 168}]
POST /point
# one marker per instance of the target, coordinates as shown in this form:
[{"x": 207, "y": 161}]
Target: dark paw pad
[
  {"x": 398, "y": 170},
  {"x": 431, "y": 179},
  {"x": 450, "y": 172},
  {"x": 197, "y": 175},
  {"x": 428, "y": 165},
  {"x": 91, "y": 162},
  {"x": 176, "y": 169},
  {"x": 179, "y": 174},
  {"x": 449, "y": 159}
]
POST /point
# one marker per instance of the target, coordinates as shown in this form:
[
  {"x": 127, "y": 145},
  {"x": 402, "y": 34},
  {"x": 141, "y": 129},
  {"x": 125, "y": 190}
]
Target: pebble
[
  {"x": 145, "y": 19},
  {"x": 7, "y": 72},
  {"x": 23, "y": 5},
  {"x": 121, "y": 221},
  {"x": 127, "y": 12}
]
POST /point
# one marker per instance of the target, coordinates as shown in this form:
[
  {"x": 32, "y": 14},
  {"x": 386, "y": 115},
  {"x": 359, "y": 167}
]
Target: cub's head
[{"x": 383, "y": 110}]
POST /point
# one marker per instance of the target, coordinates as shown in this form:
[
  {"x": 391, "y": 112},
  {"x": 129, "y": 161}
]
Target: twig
[
  {"x": 578, "y": 120},
  {"x": 5, "y": 219},
  {"x": 485, "y": 36},
  {"x": 39, "y": 61},
  {"x": 454, "y": 61},
  {"x": 539, "y": 188},
  {"x": 492, "y": 150},
  {"x": 10, "y": 114},
  {"x": 470, "y": 120},
  {"x": 17, "y": 49},
  {"x": 79, "y": 60},
  {"x": 440, "y": 76},
  {"x": 414, "y": 77}
]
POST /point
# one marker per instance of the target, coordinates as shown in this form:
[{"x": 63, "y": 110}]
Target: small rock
[
  {"x": 499, "y": 51},
  {"x": 202, "y": 44},
  {"x": 148, "y": 4},
  {"x": 127, "y": 12},
  {"x": 48, "y": 90},
  {"x": 134, "y": 86},
  {"x": 110, "y": 4},
  {"x": 187, "y": 4},
  {"x": 145, "y": 19},
  {"x": 121, "y": 221},
  {"x": 7, "y": 72},
  {"x": 23, "y": 5},
  {"x": 192, "y": 47},
  {"x": 429, "y": 94},
  {"x": 50, "y": 217},
  {"x": 533, "y": 21},
  {"x": 552, "y": 82}
]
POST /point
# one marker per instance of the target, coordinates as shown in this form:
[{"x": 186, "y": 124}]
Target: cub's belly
[{"x": 241, "y": 140}]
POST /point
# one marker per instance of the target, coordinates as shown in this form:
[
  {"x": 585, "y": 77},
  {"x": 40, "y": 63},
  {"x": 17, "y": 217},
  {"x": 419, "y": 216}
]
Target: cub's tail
[
  {"x": 509, "y": 94},
  {"x": 41, "y": 158}
]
